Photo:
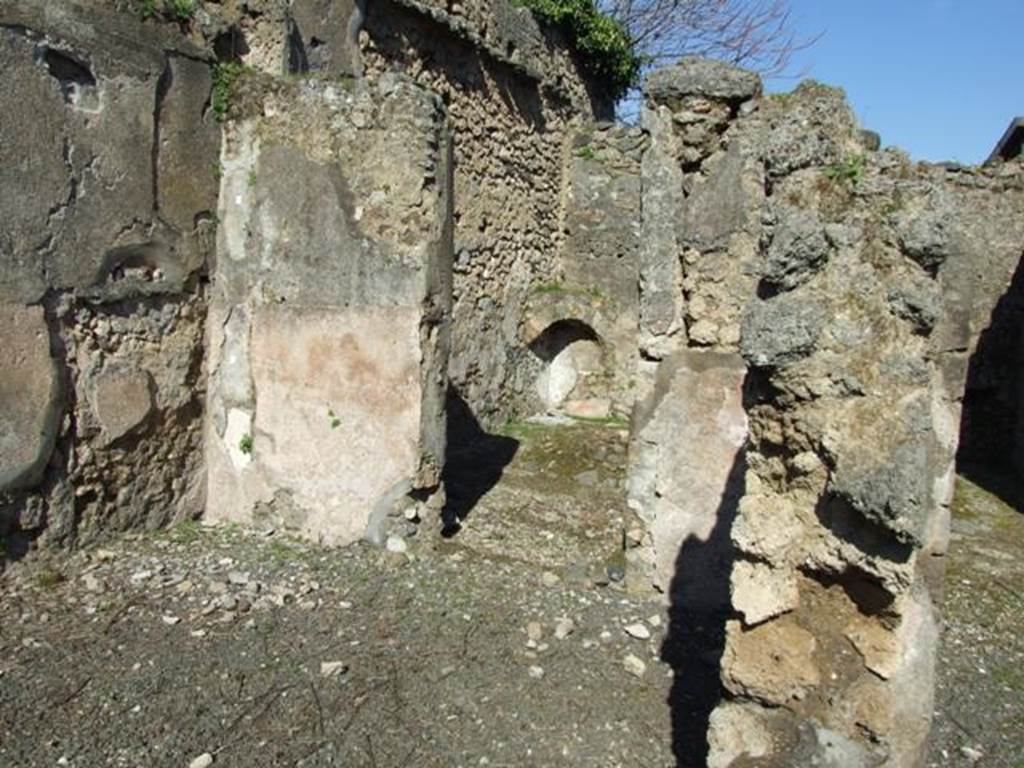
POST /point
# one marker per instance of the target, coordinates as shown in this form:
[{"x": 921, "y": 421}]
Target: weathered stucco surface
[
  {"x": 328, "y": 323},
  {"x": 107, "y": 162},
  {"x": 686, "y": 472}
]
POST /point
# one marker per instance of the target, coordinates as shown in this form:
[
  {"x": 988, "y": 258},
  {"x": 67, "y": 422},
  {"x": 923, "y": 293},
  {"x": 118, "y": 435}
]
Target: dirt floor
[{"x": 487, "y": 648}]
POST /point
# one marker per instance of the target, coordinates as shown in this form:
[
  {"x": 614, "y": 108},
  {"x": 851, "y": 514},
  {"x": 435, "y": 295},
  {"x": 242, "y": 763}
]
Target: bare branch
[{"x": 754, "y": 33}]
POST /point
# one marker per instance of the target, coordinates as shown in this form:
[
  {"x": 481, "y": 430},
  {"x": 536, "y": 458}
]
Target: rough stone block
[
  {"x": 30, "y": 400},
  {"x": 694, "y": 76},
  {"x": 122, "y": 399},
  {"x": 772, "y": 663}
]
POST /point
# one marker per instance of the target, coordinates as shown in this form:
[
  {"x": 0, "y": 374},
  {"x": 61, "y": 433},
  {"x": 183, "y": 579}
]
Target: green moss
[
  {"x": 48, "y": 578},
  {"x": 586, "y": 152},
  {"x": 554, "y": 289},
  {"x": 603, "y": 44},
  {"x": 186, "y": 532},
  {"x": 245, "y": 445},
  {"x": 611, "y": 422}
]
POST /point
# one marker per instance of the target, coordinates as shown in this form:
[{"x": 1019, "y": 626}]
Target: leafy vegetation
[
  {"x": 225, "y": 75},
  {"x": 180, "y": 10},
  {"x": 602, "y": 42},
  {"x": 245, "y": 445},
  {"x": 183, "y": 10},
  {"x": 848, "y": 171}
]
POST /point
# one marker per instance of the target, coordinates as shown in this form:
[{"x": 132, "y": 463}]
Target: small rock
[
  {"x": 654, "y": 621},
  {"x": 534, "y": 631},
  {"x": 238, "y": 578},
  {"x": 171, "y": 620},
  {"x": 397, "y": 544},
  {"x": 333, "y": 668},
  {"x": 228, "y": 602},
  {"x": 536, "y": 672},
  {"x": 634, "y": 537},
  {"x": 972, "y": 754},
  {"x": 634, "y": 665},
  {"x": 205, "y": 760},
  {"x": 638, "y": 631},
  {"x": 549, "y": 579},
  {"x": 564, "y": 628},
  {"x": 411, "y": 514},
  {"x": 91, "y": 583}
]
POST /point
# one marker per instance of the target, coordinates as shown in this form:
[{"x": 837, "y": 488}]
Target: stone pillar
[
  {"x": 328, "y": 330},
  {"x": 853, "y": 285}
]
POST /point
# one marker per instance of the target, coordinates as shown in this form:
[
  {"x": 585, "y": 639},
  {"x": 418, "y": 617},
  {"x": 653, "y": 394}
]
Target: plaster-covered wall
[{"x": 329, "y": 313}]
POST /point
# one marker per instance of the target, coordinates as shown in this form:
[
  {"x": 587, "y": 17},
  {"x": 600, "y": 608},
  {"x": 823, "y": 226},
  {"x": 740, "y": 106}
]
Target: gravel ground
[
  {"x": 265, "y": 652},
  {"x": 979, "y": 718},
  {"x": 248, "y": 648}
]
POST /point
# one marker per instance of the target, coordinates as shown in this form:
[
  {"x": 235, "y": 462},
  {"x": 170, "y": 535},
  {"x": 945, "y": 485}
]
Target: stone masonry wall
[
  {"x": 107, "y": 165},
  {"x": 852, "y": 286},
  {"x": 595, "y": 286},
  {"x": 513, "y": 95}
]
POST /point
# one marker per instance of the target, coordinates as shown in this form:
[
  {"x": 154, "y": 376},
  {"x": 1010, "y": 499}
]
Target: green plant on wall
[
  {"x": 333, "y": 417},
  {"x": 850, "y": 170},
  {"x": 602, "y": 42},
  {"x": 225, "y": 75},
  {"x": 180, "y": 10},
  {"x": 183, "y": 10},
  {"x": 245, "y": 445}
]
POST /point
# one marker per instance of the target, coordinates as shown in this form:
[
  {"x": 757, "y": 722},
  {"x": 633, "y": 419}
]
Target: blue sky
[{"x": 939, "y": 78}]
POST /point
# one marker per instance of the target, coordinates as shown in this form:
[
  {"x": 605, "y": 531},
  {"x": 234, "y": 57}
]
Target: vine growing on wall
[{"x": 601, "y": 41}]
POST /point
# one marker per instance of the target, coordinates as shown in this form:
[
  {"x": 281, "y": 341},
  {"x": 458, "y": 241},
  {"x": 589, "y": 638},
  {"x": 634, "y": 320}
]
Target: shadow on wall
[
  {"x": 696, "y": 635},
  {"x": 991, "y": 449},
  {"x": 474, "y": 461}
]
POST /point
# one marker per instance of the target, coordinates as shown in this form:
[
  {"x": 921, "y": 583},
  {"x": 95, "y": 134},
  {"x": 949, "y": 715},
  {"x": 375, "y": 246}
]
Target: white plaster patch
[{"x": 238, "y": 437}]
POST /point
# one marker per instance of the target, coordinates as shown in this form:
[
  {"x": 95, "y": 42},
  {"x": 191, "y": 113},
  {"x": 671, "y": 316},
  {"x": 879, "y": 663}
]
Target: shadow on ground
[{"x": 474, "y": 462}]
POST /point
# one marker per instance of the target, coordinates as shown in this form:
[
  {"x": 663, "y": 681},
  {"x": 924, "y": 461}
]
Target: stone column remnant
[
  {"x": 853, "y": 285},
  {"x": 328, "y": 328}
]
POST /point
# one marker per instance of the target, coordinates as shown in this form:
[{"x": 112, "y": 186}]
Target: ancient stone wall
[
  {"x": 108, "y": 165},
  {"x": 328, "y": 329},
  {"x": 514, "y": 94},
  {"x": 582, "y": 326},
  {"x": 851, "y": 286}
]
